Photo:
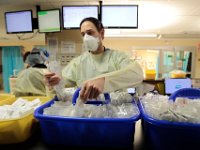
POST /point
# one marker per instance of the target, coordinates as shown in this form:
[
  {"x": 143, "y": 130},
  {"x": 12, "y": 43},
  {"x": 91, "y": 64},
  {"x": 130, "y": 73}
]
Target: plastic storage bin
[
  {"x": 4, "y": 97},
  {"x": 177, "y": 74},
  {"x": 166, "y": 135},
  {"x": 87, "y": 132},
  {"x": 186, "y": 92},
  {"x": 150, "y": 74},
  {"x": 17, "y": 130}
]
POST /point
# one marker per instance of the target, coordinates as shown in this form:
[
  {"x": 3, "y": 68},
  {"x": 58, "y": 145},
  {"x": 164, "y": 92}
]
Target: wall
[
  {"x": 197, "y": 70},
  {"x": 27, "y": 44},
  {"x": 68, "y": 35},
  {"x": 28, "y": 40},
  {"x": 128, "y": 43}
]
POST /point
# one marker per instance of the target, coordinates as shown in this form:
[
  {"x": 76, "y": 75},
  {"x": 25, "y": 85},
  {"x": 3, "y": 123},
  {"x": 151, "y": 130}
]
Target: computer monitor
[
  {"x": 131, "y": 91},
  {"x": 73, "y": 15},
  {"x": 19, "y": 21},
  {"x": 120, "y": 16},
  {"x": 49, "y": 21},
  {"x": 174, "y": 84}
]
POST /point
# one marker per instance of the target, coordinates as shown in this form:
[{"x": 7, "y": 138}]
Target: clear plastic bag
[
  {"x": 54, "y": 66},
  {"x": 180, "y": 110}
]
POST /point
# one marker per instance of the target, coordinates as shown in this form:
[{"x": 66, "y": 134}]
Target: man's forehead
[{"x": 87, "y": 25}]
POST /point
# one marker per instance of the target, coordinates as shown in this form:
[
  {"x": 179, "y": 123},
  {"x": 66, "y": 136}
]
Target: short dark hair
[
  {"x": 95, "y": 21},
  {"x": 26, "y": 55}
]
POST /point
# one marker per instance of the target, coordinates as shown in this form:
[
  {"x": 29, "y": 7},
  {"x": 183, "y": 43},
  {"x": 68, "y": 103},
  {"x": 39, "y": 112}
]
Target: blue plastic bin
[
  {"x": 87, "y": 132},
  {"x": 186, "y": 92},
  {"x": 166, "y": 135}
]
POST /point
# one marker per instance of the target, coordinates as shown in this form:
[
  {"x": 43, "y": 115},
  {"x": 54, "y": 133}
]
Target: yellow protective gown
[
  {"x": 30, "y": 82},
  {"x": 119, "y": 71}
]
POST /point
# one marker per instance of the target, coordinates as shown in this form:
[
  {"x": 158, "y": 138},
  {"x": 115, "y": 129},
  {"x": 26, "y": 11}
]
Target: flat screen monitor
[
  {"x": 131, "y": 90},
  {"x": 172, "y": 85},
  {"x": 120, "y": 16},
  {"x": 49, "y": 21},
  {"x": 73, "y": 15},
  {"x": 19, "y": 21}
]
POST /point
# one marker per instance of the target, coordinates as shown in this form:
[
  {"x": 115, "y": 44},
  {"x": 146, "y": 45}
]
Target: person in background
[
  {"x": 26, "y": 54},
  {"x": 30, "y": 81},
  {"x": 99, "y": 69}
]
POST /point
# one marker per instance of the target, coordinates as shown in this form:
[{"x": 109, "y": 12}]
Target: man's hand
[
  {"x": 52, "y": 79},
  {"x": 92, "y": 88}
]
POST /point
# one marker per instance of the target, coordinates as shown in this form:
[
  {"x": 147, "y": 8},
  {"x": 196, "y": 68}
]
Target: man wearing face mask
[{"x": 99, "y": 69}]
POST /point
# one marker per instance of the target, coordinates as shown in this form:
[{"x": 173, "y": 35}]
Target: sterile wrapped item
[
  {"x": 9, "y": 109},
  {"x": 71, "y": 111},
  {"x": 87, "y": 110},
  {"x": 78, "y": 111},
  {"x": 171, "y": 115},
  {"x": 68, "y": 111},
  {"x": 197, "y": 109},
  {"x": 59, "y": 108},
  {"x": 124, "y": 110},
  {"x": 180, "y": 110},
  {"x": 167, "y": 115},
  {"x": 118, "y": 97},
  {"x": 97, "y": 112},
  {"x": 19, "y": 102},
  {"x": 26, "y": 110},
  {"x": 35, "y": 103},
  {"x": 130, "y": 109},
  {"x": 56, "y": 108},
  {"x": 112, "y": 111},
  {"x": 187, "y": 110},
  {"x": 181, "y": 101},
  {"x": 155, "y": 104},
  {"x": 51, "y": 111},
  {"x": 3, "y": 113},
  {"x": 69, "y": 92},
  {"x": 15, "y": 114},
  {"x": 19, "y": 108},
  {"x": 121, "y": 112},
  {"x": 101, "y": 111},
  {"x": 61, "y": 103},
  {"x": 54, "y": 66},
  {"x": 91, "y": 111},
  {"x": 6, "y": 117},
  {"x": 25, "y": 104},
  {"x": 61, "y": 94}
]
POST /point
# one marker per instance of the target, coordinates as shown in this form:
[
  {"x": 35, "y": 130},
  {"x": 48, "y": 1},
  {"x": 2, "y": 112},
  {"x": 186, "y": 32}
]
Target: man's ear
[{"x": 102, "y": 33}]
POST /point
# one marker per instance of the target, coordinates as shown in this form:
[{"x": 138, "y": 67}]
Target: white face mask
[{"x": 90, "y": 43}]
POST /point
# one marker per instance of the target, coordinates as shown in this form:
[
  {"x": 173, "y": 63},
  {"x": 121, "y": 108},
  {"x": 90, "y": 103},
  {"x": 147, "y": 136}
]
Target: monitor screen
[
  {"x": 131, "y": 90},
  {"x": 73, "y": 15},
  {"x": 172, "y": 85},
  {"x": 120, "y": 16},
  {"x": 18, "y": 21},
  {"x": 49, "y": 21}
]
